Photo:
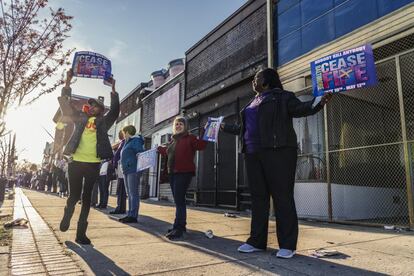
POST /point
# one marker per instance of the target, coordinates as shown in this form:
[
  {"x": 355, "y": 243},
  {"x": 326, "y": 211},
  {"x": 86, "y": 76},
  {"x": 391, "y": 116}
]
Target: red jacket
[{"x": 185, "y": 150}]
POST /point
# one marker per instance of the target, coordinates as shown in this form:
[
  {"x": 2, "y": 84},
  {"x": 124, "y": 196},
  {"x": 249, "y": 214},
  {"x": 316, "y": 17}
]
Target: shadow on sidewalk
[
  {"x": 226, "y": 249},
  {"x": 98, "y": 262},
  {"x": 222, "y": 248}
]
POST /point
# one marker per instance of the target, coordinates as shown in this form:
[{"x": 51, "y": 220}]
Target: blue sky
[{"x": 139, "y": 36}]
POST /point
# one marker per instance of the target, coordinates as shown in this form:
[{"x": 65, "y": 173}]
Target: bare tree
[
  {"x": 3, "y": 155},
  {"x": 31, "y": 51}
]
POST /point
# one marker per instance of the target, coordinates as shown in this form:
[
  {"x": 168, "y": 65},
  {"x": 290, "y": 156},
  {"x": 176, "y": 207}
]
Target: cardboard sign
[{"x": 346, "y": 70}]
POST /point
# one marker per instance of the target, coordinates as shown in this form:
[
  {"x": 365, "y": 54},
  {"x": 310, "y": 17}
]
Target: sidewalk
[
  {"x": 6, "y": 214},
  {"x": 140, "y": 249}
]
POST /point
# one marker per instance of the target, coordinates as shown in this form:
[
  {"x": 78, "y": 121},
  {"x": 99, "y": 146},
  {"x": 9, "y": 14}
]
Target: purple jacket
[{"x": 117, "y": 155}]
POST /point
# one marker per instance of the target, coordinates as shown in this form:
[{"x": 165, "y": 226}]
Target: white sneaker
[
  {"x": 285, "y": 253},
  {"x": 247, "y": 248}
]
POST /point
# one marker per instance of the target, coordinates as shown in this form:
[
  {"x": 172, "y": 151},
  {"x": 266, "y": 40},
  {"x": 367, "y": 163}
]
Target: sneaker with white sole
[
  {"x": 285, "y": 253},
  {"x": 247, "y": 248}
]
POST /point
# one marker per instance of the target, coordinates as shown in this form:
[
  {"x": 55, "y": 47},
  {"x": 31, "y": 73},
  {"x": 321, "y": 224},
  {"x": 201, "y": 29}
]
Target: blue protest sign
[
  {"x": 345, "y": 70},
  {"x": 147, "y": 159},
  {"x": 91, "y": 65}
]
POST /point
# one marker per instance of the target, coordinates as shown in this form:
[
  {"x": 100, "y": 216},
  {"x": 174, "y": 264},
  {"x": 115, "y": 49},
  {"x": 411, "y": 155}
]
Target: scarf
[{"x": 171, "y": 151}]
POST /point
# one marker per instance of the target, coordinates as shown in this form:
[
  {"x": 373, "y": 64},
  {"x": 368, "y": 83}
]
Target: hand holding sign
[
  {"x": 69, "y": 76},
  {"x": 113, "y": 86},
  {"x": 326, "y": 98}
]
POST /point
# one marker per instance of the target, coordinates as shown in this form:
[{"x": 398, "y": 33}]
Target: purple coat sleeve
[{"x": 117, "y": 155}]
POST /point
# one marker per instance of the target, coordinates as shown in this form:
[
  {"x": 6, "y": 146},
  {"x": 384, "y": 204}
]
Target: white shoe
[
  {"x": 247, "y": 248},
  {"x": 285, "y": 253}
]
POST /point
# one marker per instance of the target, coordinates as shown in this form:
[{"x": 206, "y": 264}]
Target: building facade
[
  {"x": 219, "y": 70},
  {"x": 355, "y": 158},
  {"x": 160, "y": 105}
]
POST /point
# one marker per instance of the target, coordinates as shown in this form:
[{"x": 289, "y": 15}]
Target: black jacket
[
  {"x": 275, "y": 119},
  {"x": 80, "y": 119}
]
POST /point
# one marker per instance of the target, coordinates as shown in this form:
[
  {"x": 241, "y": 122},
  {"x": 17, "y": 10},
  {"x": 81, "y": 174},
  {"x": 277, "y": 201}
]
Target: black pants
[
  {"x": 95, "y": 191},
  {"x": 272, "y": 172},
  {"x": 179, "y": 183},
  {"x": 103, "y": 190},
  {"x": 54, "y": 182},
  {"x": 79, "y": 171},
  {"x": 121, "y": 196}
]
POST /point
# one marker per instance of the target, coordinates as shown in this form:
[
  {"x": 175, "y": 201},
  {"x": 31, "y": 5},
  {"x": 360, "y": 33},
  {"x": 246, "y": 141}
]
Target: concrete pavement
[{"x": 141, "y": 249}]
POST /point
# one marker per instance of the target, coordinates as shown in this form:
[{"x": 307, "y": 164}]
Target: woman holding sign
[
  {"x": 269, "y": 143},
  {"x": 180, "y": 153},
  {"x": 132, "y": 146}
]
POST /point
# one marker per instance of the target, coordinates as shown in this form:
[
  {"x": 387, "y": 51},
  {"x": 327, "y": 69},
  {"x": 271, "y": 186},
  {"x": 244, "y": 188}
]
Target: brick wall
[
  {"x": 239, "y": 45},
  {"x": 130, "y": 103},
  {"x": 148, "y": 107}
]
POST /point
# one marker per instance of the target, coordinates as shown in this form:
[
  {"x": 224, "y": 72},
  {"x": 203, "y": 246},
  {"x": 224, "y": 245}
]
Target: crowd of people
[
  {"x": 48, "y": 178},
  {"x": 268, "y": 142}
]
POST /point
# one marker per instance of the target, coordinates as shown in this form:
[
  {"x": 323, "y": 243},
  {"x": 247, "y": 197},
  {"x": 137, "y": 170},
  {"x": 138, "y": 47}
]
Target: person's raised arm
[
  {"x": 68, "y": 111},
  {"x": 113, "y": 112},
  {"x": 297, "y": 108},
  {"x": 232, "y": 129},
  {"x": 67, "y": 90},
  {"x": 197, "y": 142}
]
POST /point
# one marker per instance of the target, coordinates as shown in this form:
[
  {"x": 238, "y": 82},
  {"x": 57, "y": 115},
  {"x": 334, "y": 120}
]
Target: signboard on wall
[
  {"x": 345, "y": 70},
  {"x": 167, "y": 105}
]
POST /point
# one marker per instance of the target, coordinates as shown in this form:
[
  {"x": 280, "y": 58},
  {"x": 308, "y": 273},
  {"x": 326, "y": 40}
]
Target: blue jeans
[
  {"x": 132, "y": 184},
  {"x": 179, "y": 183}
]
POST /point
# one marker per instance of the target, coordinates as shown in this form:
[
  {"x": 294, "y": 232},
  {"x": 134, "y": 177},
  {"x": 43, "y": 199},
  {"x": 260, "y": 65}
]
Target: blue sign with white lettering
[
  {"x": 346, "y": 70},
  {"x": 91, "y": 65}
]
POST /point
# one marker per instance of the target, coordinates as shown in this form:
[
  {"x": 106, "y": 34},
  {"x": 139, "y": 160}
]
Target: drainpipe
[
  {"x": 270, "y": 59},
  {"x": 270, "y": 48}
]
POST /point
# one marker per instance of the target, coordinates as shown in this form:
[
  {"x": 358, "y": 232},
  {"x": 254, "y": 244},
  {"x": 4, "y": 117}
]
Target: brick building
[
  {"x": 355, "y": 158},
  {"x": 151, "y": 107},
  {"x": 161, "y": 102},
  {"x": 219, "y": 71}
]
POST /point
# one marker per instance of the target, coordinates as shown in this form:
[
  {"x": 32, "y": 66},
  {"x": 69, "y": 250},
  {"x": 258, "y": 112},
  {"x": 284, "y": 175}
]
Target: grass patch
[{"x": 5, "y": 234}]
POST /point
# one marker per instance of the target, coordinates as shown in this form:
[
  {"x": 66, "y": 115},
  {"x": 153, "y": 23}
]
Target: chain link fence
[{"x": 361, "y": 170}]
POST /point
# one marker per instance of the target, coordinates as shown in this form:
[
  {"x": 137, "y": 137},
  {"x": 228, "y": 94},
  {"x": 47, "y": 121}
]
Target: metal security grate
[
  {"x": 369, "y": 116},
  {"x": 407, "y": 83},
  {"x": 368, "y": 184},
  {"x": 361, "y": 171},
  {"x": 395, "y": 47},
  {"x": 368, "y": 181}
]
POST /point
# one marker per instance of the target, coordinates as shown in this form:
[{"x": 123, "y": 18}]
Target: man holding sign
[{"x": 88, "y": 145}]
